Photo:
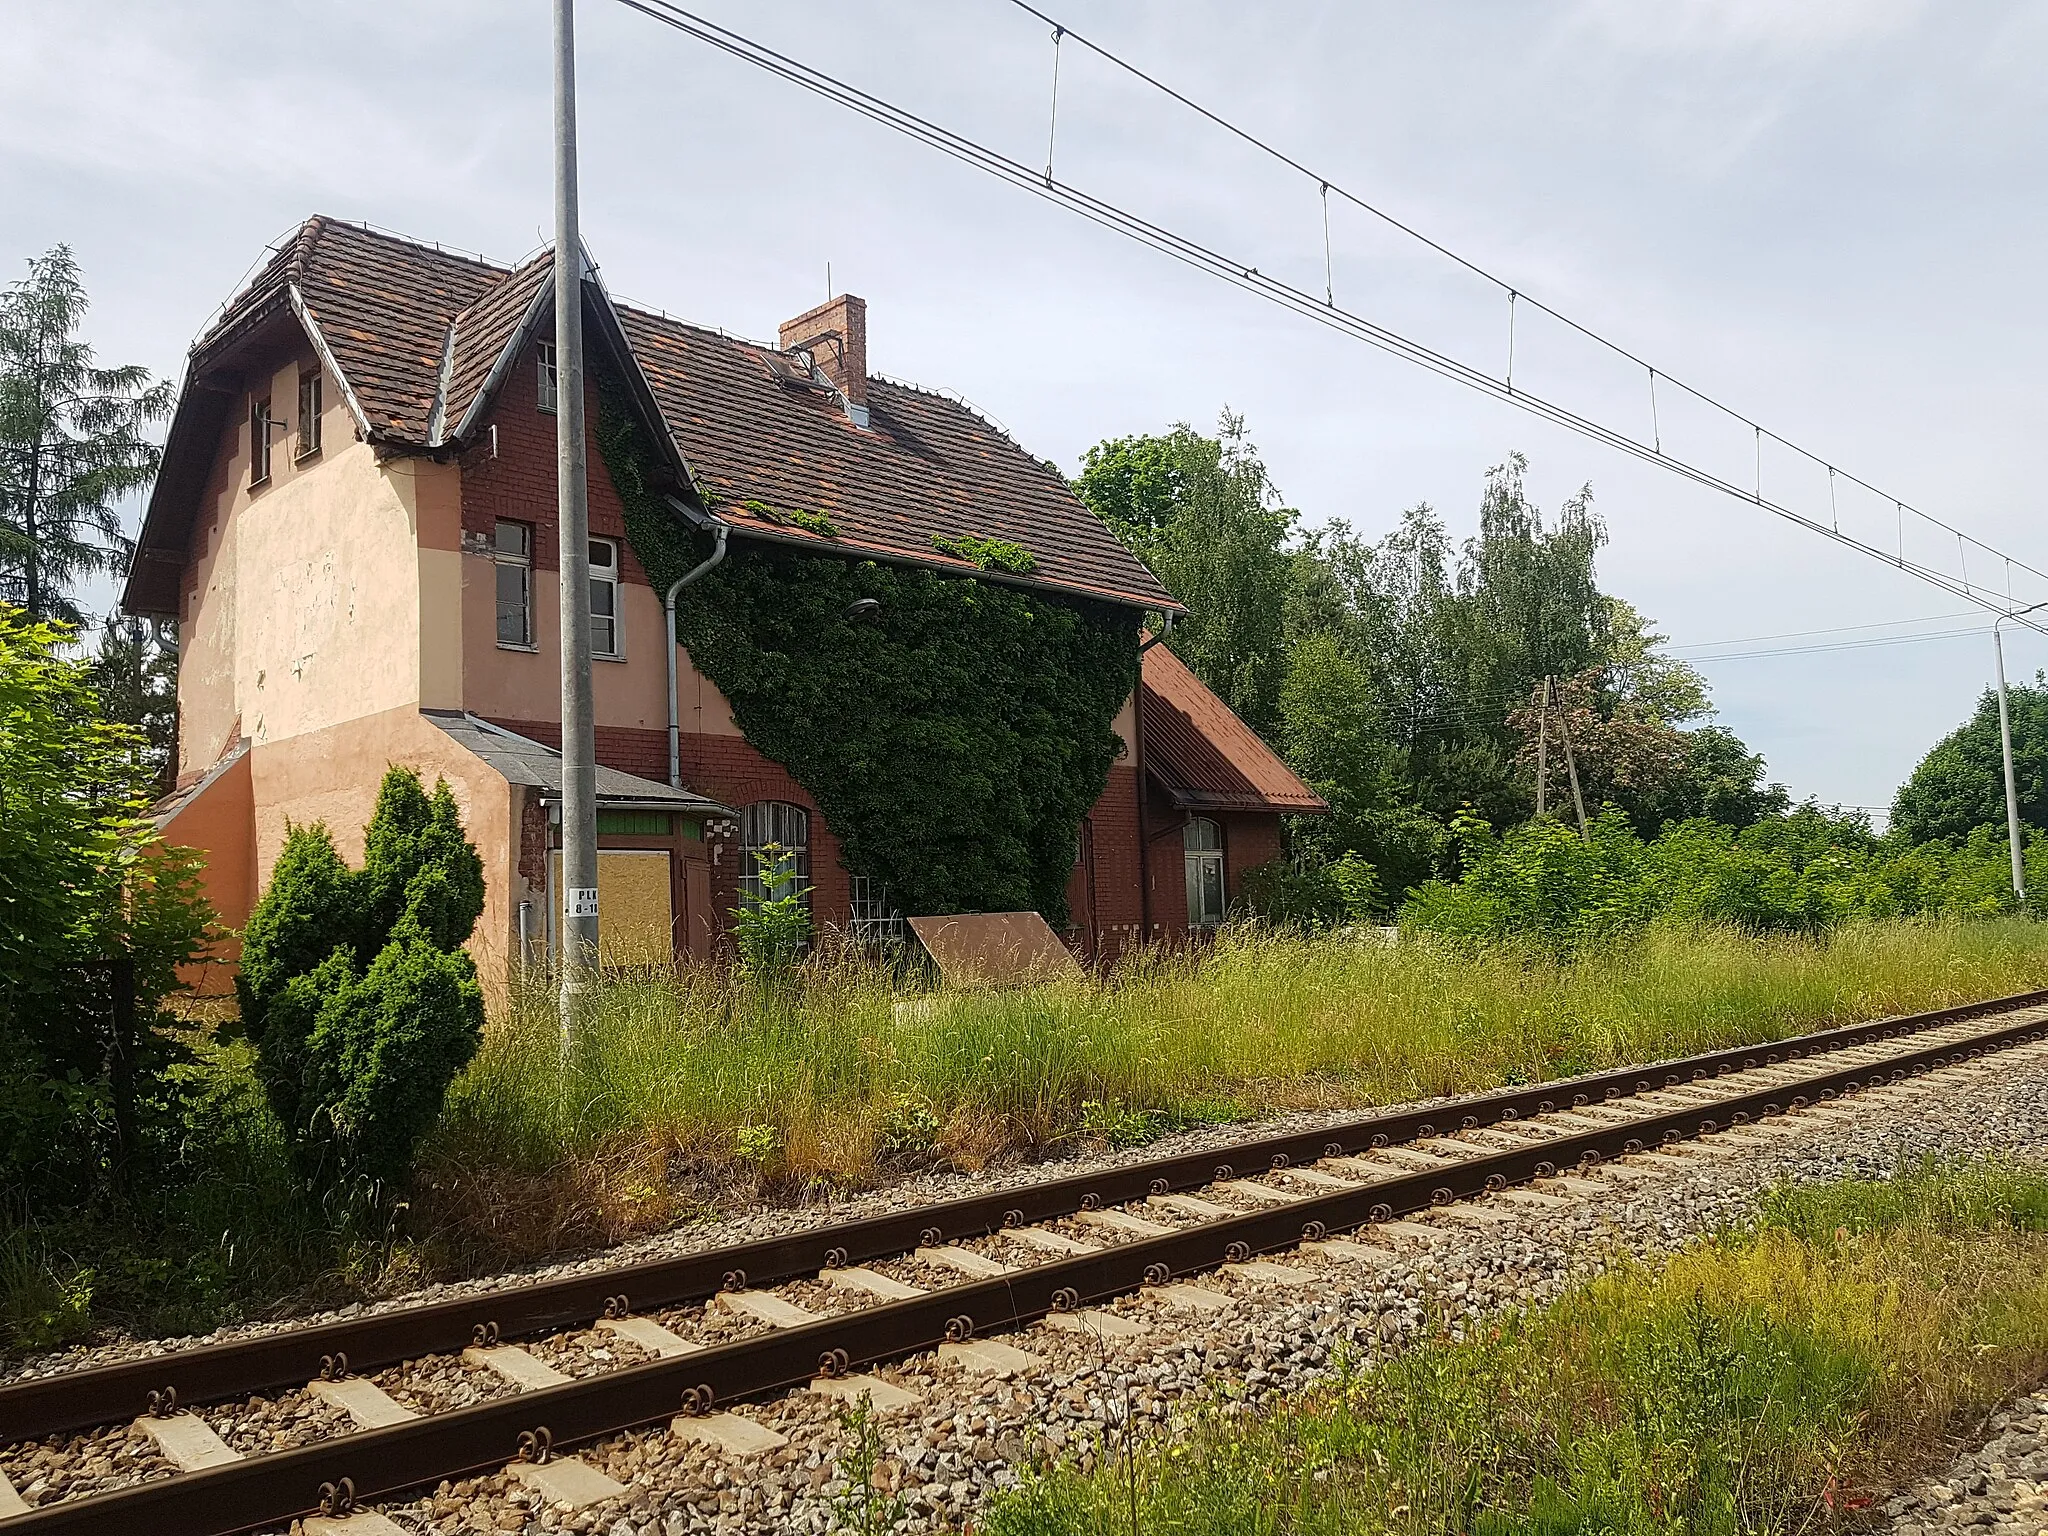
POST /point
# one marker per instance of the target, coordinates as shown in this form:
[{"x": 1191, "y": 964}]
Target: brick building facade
[{"x": 355, "y": 527}]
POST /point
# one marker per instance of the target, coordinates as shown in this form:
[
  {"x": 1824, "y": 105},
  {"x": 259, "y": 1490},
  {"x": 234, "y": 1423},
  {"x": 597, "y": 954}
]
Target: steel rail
[
  {"x": 273, "y": 1489},
  {"x": 83, "y": 1399}
]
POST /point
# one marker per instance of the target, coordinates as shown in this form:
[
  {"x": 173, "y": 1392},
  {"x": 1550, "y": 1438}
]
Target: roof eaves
[
  {"x": 158, "y": 559},
  {"x": 812, "y": 543}
]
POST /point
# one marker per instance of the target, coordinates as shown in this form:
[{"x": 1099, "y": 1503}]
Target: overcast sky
[{"x": 1827, "y": 213}]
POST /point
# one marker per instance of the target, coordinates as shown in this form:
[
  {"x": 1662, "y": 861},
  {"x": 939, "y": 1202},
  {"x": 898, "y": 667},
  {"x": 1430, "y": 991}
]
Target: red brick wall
[
  {"x": 726, "y": 769},
  {"x": 519, "y": 483},
  {"x": 1249, "y": 840}
]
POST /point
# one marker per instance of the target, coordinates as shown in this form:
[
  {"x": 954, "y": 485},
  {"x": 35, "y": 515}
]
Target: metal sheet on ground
[{"x": 995, "y": 949}]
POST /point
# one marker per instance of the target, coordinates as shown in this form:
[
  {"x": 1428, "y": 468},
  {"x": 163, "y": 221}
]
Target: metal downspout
[{"x": 675, "y": 728}]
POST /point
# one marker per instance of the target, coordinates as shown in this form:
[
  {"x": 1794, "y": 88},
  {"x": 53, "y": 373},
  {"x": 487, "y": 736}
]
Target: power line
[
  {"x": 1839, "y": 629},
  {"x": 1841, "y": 645},
  {"x": 1517, "y": 296},
  {"x": 1320, "y": 309}
]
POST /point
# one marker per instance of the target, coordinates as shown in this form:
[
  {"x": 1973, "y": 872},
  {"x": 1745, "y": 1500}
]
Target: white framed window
[
  {"x": 309, "y": 414},
  {"x": 544, "y": 369},
  {"x": 605, "y": 636},
  {"x": 776, "y": 834},
  {"x": 512, "y": 547},
  {"x": 259, "y": 440},
  {"x": 1202, "y": 850}
]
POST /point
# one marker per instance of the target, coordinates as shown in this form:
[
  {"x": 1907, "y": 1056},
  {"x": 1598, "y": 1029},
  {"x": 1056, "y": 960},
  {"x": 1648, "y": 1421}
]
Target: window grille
[
  {"x": 780, "y": 833},
  {"x": 875, "y": 920}
]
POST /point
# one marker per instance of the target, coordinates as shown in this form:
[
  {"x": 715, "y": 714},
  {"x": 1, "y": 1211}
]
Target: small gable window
[
  {"x": 309, "y": 414},
  {"x": 512, "y": 545},
  {"x": 1202, "y": 849},
  {"x": 259, "y": 440},
  {"x": 544, "y": 369}
]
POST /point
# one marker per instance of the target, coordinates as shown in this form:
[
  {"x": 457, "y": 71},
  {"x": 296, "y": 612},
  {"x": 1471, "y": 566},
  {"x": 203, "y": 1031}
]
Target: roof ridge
[
  {"x": 951, "y": 397},
  {"x": 364, "y": 226}
]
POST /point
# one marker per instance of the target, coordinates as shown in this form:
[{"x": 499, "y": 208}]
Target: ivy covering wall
[{"x": 954, "y": 740}]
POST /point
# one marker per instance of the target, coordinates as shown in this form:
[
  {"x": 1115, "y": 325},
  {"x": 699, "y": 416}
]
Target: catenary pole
[
  {"x": 1543, "y": 750},
  {"x": 2012, "y": 799},
  {"x": 579, "y": 741}
]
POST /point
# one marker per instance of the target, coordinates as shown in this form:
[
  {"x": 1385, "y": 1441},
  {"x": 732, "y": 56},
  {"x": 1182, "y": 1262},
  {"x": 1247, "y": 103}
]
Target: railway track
[{"x": 732, "y": 1324}]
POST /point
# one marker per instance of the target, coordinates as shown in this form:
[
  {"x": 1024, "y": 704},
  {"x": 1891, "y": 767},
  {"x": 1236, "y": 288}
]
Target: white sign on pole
[{"x": 581, "y": 902}]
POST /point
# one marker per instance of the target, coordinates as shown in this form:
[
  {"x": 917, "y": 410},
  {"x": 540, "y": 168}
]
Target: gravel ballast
[{"x": 969, "y": 1436}]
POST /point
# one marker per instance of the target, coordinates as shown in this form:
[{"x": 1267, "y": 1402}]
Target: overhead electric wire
[
  {"x": 1839, "y": 645},
  {"x": 1839, "y": 629},
  {"x": 1514, "y": 294},
  {"x": 1242, "y": 275}
]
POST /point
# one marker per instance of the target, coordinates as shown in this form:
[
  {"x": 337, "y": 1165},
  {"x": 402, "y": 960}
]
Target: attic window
[
  {"x": 309, "y": 414},
  {"x": 544, "y": 358},
  {"x": 259, "y": 440},
  {"x": 795, "y": 367}
]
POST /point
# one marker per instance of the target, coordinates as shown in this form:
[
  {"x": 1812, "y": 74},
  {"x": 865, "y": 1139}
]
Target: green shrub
[
  {"x": 1310, "y": 891},
  {"x": 84, "y": 880},
  {"x": 989, "y": 554},
  {"x": 1803, "y": 872},
  {"x": 356, "y": 1058},
  {"x": 772, "y": 927}
]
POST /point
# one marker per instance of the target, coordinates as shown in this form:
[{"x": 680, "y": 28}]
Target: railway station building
[{"x": 355, "y": 531}]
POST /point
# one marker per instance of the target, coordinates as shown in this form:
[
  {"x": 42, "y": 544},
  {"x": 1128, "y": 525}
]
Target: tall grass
[
  {"x": 1776, "y": 1381},
  {"x": 688, "y": 1084}
]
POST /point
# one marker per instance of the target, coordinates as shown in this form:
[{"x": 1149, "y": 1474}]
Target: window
[
  {"x": 259, "y": 440},
  {"x": 309, "y": 414},
  {"x": 778, "y": 835},
  {"x": 604, "y": 598},
  {"x": 875, "y": 919},
  {"x": 512, "y": 544},
  {"x": 1202, "y": 848},
  {"x": 544, "y": 359}
]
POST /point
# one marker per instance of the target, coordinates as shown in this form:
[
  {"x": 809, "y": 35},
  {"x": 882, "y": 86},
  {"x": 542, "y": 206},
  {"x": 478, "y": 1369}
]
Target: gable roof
[
  {"x": 419, "y": 337},
  {"x": 1202, "y": 755}
]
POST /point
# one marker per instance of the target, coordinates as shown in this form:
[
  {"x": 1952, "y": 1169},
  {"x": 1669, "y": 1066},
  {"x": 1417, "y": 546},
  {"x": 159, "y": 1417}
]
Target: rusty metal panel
[{"x": 995, "y": 949}]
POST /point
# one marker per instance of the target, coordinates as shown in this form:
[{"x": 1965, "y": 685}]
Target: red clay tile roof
[
  {"x": 1202, "y": 755},
  {"x": 925, "y": 466},
  {"x": 485, "y": 329}
]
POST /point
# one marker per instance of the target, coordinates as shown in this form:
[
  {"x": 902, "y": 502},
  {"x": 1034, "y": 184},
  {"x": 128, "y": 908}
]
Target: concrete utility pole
[
  {"x": 2012, "y": 799},
  {"x": 579, "y": 736}
]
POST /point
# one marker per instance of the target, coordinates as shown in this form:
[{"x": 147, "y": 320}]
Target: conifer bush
[{"x": 355, "y": 989}]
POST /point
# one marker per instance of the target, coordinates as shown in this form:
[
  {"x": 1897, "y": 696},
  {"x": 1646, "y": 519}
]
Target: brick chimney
[{"x": 836, "y": 335}]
